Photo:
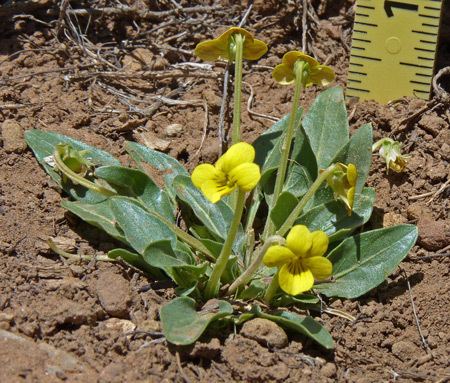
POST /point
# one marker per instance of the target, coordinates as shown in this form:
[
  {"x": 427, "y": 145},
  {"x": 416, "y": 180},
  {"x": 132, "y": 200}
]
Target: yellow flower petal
[
  {"x": 283, "y": 74},
  {"x": 321, "y": 75},
  {"x": 294, "y": 280},
  {"x": 254, "y": 50},
  {"x": 214, "y": 190},
  {"x": 299, "y": 240},
  {"x": 211, "y": 50},
  {"x": 203, "y": 173},
  {"x": 277, "y": 256},
  {"x": 320, "y": 267},
  {"x": 246, "y": 176},
  {"x": 237, "y": 154},
  {"x": 319, "y": 244},
  {"x": 291, "y": 57},
  {"x": 350, "y": 200},
  {"x": 352, "y": 174}
]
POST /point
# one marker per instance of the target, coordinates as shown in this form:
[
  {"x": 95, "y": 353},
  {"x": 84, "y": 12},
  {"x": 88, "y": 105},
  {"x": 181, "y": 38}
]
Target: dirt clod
[
  {"x": 265, "y": 332},
  {"x": 405, "y": 350},
  {"x": 114, "y": 294},
  {"x": 12, "y": 136},
  {"x": 433, "y": 235}
]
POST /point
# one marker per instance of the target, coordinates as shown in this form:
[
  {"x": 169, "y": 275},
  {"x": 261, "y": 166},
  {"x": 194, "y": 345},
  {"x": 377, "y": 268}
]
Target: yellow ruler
[{"x": 393, "y": 49}]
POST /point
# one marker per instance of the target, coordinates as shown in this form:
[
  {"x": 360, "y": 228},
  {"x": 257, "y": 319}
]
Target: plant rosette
[{"x": 304, "y": 177}]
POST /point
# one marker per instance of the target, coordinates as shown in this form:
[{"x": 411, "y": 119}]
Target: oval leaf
[
  {"x": 362, "y": 262},
  {"x": 326, "y": 125},
  {"x": 183, "y": 325},
  {"x": 140, "y": 227},
  {"x": 136, "y": 184}
]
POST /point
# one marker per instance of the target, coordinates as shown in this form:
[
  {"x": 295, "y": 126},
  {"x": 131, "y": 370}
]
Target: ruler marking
[
  {"x": 355, "y": 72},
  {"x": 424, "y": 50},
  {"x": 361, "y": 14},
  {"x": 425, "y": 58},
  {"x": 365, "y": 6},
  {"x": 360, "y": 48},
  {"x": 356, "y": 64},
  {"x": 433, "y": 8},
  {"x": 429, "y": 16},
  {"x": 430, "y": 25},
  {"x": 424, "y": 33},
  {"x": 416, "y": 65},
  {"x": 368, "y": 24},
  {"x": 362, "y": 40},
  {"x": 358, "y": 89},
  {"x": 423, "y": 75},
  {"x": 428, "y": 42},
  {"x": 357, "y": 30},
  {"x": 421, "y": 91},
  {"x": 366, "y": 57},
  {"x": 419, "y": 82},
  {"x": 354, "y": 80}
]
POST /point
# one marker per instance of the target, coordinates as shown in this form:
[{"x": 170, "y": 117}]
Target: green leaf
[
  {"x": 286, "y": 202},
  {"x": 362, "y": 262},
  {"x": 44, "y": 144},
  {"x": 326, "y": 125},
  {"x": 158, "y": 166},
  {"x": 332, "y": 217},
  {"x": 254, "y": 290},
  {"x": 183, "y": 325},
  {"x": 135, "y": 260},
  {"x": 215, "y": 216},
  {"x": 284, "y": 300},
  {"x": 139, "y": 226},
  {"x": 178, "y": 265},
  {"x": 136, "y": 184},
  {"x": 358, "y": 151},
  {"x": 303, "y": 325},
  {"x": 298, "y": 180},
  {"x": 98, "y": 214}
]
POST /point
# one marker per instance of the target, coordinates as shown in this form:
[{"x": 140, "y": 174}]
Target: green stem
[
  {"x": 247, "y": 274},
  {"x": 77, "y": 179},
  {"x": 212, "y": 287},
  {"x": 272, "y": 289},
  {"x": 290, "y": 220},
  {"x": 236, "y": 130},
  {"x": 299, "y": 67}
]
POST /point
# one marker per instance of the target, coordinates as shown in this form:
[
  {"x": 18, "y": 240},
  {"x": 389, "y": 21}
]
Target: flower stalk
[
  {"x": 272, "y": 289},
  {"x": 212, "y": 287},
  {"x": 302, "y": 203},
  {"x": 299, "y": 68},
  {"x": 245, "y": 277},
  {"x": 236, "y": 129}
]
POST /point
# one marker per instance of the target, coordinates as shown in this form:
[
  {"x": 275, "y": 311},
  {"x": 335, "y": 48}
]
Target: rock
[
  {"x": 391, "y": 218},
  {"x": 122, "y": 326},
  {"x": 24, "y": 360},
  {"x": 437, "y": 172},
  {"x": 417, "y": 211},
  {"x": 114, "y": 294},
  {"x": 432, "y": 124},
  {"x": 149, "y": 325},
  {"x": 12, "y": 136},
  {"x": 433, "y": 235},
  {"x": 173, "y": 130},
  {"x": 329, "y": 370},
  {"x": 405, "y": 350},
  {"x": 208, "y": 351},
  {"x": 150, "y": 140},
  {"x": 265, "y": 332}
]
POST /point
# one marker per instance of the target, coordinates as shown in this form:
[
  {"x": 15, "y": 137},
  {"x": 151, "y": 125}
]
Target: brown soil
[{"x": 81, "y": 322}]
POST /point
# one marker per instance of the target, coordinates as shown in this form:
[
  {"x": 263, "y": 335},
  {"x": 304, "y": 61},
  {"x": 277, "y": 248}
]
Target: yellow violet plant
[{"x": 272, "y": 229}]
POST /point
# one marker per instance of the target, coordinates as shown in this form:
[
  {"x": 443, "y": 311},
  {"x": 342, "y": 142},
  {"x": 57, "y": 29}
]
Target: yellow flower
[
  {"x": 301, "y": 260},
  {"x": 343, "y": 181},
  {"x": 224, "y": 46},
  {"x": 234, "y": 169},
  {"x": 390, "y": 150},
  {"x": 315, "y": 73}
]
